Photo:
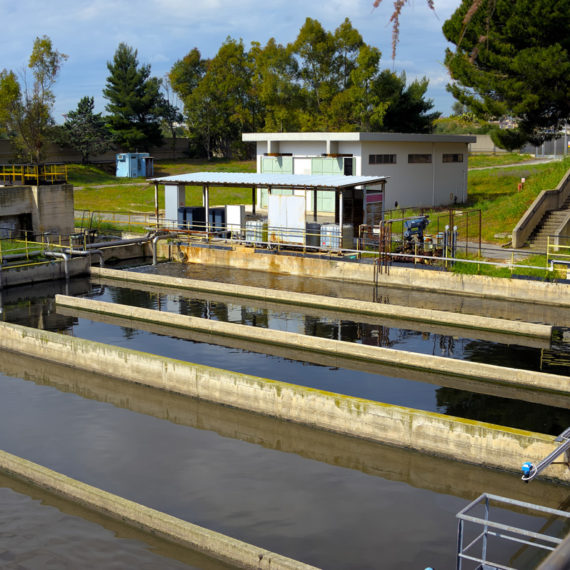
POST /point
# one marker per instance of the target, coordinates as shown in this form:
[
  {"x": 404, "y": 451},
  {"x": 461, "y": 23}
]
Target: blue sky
[{"x": 165, "y": 30}]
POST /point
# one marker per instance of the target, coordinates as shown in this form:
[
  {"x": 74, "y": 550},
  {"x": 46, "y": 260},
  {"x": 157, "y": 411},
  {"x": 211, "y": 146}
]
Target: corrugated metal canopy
[{"x": 237, "y": 179}]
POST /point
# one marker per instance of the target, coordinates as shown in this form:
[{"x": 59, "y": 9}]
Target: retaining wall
[
  {"x": 150, "y": 520},
  {"x": 270, "y": 338},
  {"x": 336, "y": 304},
  {"x": 49, "y": 271},
  {"x": 464, "y": 440},
  {"x": 241, "y": 257}
]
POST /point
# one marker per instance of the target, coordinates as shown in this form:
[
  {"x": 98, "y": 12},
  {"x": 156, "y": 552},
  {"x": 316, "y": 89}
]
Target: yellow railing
[
  {"x": 556, "y": 252},
  {"x": 33, "y": 173}
]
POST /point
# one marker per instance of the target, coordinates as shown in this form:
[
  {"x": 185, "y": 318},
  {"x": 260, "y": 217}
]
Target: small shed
[{"x": 134, "y": 165}]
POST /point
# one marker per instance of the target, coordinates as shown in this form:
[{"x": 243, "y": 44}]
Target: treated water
[{"x": 327, "y": 500}]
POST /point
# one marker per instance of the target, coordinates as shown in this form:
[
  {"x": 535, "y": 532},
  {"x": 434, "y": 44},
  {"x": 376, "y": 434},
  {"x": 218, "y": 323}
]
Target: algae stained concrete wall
[
  {"x": 464, "y": 440},
  {"x": 556, "y": 294}
]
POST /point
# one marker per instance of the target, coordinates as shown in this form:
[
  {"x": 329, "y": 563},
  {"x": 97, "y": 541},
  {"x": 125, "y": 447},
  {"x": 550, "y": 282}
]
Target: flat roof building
[{"x": 424, "y": 170}]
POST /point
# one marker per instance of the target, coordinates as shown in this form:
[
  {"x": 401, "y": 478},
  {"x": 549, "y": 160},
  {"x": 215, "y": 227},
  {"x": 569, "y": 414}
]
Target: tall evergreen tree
[
  {"x": 512, "y": 58},
  {"x": 408, "y": 110},
  {"x": 85, "y": 131},
  {"x": 134, "y": 102}
]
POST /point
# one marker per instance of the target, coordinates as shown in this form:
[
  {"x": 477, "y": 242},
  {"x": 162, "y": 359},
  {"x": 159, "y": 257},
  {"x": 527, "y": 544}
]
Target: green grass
[
  {"x": 495, "y": 193},
  {"x": 132, "y": 195},
  {"x": 485, "y": 160},
  {"x": 90, "y": 175},
  {"x": 536, "y": 268}
]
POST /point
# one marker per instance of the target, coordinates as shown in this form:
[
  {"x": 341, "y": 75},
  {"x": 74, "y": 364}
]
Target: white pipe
[
  {"x": 63, "y": 256},
  {"x": 155, "y": 241}
]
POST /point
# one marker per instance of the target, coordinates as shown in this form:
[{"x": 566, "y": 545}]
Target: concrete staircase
[{"x": 547, "y": 227}]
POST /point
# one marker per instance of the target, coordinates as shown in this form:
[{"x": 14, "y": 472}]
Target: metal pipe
[
  {"x": 155, "y": 241},
  {"x": 89, "y": 253},
  {"x": 63, "y": 256},
  {"x": 119, "y": 242}
]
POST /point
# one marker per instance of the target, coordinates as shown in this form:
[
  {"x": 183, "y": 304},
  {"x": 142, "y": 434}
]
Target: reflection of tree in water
[
  {"x": 133, "y": 297},
  {"x": 502, "y": 411},
  {"x": 512, "y": 356},
  {"x": 446, "y": 345}
]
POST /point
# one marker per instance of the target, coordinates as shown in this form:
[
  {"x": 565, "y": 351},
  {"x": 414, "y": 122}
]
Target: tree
[
  {"x": 408, "y": 110},
  {"x": 25, "y": 111},
  {"x": 513, "y": 59},
  {"x": 85, "y": 131},
  {"x": 135, "y": 102},
  {"x": 219, "y": 108},
  {"x": 170, "y": 113},
  {"x": 273, "y": 87},
  {"x": 186, "y": 73}
]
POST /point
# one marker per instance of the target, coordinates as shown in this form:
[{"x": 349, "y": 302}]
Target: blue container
[
  {"x": 134, "y": 164},
  {"x": 217, "y": 218},
  {"x": 196, "y": 218}
]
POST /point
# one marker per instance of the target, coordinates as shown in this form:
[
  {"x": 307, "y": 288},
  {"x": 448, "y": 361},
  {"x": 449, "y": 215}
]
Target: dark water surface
[{"x": 326, "y": 500}]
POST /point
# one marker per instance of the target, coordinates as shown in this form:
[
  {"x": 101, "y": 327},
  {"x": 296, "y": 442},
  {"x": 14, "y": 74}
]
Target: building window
[
  {"x": 348, "y": 167},
  {"x": 381, "y": 159},
  {"x": 452, "y": 158},
  {"x": 419, "y": 158}
]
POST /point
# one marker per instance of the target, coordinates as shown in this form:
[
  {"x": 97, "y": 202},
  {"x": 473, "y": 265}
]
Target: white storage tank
[{"x": 331, "y": 238}]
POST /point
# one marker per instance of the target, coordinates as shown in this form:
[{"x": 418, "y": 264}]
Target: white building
[{"x": 423, "y": 170}]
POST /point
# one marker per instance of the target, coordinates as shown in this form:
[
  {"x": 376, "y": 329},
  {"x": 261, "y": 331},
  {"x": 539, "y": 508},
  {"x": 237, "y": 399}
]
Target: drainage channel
[
  {"x": 419, "y": 337},
  {"x": 422, "y": 390}
]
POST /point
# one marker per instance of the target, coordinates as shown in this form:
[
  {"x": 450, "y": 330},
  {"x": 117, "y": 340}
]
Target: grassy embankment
[{"x": 98, "y": 191}]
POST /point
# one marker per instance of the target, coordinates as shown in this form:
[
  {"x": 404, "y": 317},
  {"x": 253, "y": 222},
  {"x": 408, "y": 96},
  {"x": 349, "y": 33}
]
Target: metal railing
[
  {"x": 557, "y": 253},
  {"x": 493, "y": 534},
  {"x": 33, "y": 174}
]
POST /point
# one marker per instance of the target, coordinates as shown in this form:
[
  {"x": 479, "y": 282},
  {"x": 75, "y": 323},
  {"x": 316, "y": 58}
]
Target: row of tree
[
  {"x": 322, "y": 81},
  {"x": 511, "y": 58}
]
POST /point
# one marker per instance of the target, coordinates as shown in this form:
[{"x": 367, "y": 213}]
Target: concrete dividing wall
[
  {"x": 496, "y": 374},
  {"x": 464, "y": 440},
  {"x": 150, "y": 520},
  {"x": 49, "y": 271},
  {"x": 513, "y": 392},
  {"x": 337, "y": 304},
  {"x": 389, "y": 462},
  {"x": 240, "y": 257}
]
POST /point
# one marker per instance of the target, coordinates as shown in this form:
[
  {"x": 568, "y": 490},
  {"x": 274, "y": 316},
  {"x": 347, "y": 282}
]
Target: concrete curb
[
  {"x": 448, "y": 366},
  {"x": 428, "y": 432},
  {"x": 213, "y": 544},
  {"x": 524, "y": 291},
  {"x": 340, "y": 305}
]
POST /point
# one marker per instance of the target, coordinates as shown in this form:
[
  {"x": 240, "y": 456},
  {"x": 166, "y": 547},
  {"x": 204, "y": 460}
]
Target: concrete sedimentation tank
[{"x": 471, "y": 442}]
